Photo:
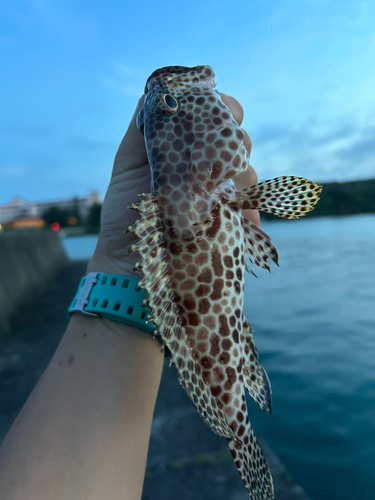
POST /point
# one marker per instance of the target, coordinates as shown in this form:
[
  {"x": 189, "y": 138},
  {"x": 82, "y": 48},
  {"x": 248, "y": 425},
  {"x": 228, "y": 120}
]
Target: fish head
[
  {"x": 163, "y": 92},
  {"x": 180, "y": 79},
  {"x": 190, "y": 135}
]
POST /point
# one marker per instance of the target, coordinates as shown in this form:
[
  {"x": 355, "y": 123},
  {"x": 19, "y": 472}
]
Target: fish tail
[
  {"x": 286, "y": 196},
  {"x": 252, "y": 467}
]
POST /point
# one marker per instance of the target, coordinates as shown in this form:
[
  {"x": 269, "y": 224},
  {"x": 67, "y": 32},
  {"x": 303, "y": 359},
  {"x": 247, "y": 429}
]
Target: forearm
[{"x": 84, "y": 431}]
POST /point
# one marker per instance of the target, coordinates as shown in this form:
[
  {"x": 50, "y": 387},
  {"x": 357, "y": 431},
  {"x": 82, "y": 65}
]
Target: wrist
[{"x": 102, "y": 263}]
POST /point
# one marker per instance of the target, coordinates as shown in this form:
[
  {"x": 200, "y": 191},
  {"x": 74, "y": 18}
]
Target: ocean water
[
  {"x": 80, "y": 247},
  {"x": 314, "y": 321}
]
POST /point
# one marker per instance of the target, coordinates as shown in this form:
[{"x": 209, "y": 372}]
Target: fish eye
[{"x": 171, "y": 102}]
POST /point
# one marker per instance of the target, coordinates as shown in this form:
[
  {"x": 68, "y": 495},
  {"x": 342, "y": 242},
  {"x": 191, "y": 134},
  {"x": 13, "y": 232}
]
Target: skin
[{"x": 84, "y": 431}]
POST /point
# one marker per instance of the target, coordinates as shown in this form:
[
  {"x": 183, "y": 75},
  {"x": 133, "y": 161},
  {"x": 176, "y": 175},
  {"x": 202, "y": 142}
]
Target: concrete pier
[{"x": 28, "y": 260}]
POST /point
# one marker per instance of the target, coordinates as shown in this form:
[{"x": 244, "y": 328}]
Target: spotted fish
[{"x": 192, "y": 241}]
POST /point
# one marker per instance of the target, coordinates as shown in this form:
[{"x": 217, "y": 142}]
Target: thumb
[{"x": 131, "y": 153}]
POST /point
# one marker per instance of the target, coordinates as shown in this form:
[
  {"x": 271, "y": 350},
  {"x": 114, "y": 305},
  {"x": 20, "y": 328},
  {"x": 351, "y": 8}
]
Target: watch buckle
[{"x": 83, "y": 297}]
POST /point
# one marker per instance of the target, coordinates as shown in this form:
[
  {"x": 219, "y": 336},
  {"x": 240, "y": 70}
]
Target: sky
[{"x": 72, "y": 72}]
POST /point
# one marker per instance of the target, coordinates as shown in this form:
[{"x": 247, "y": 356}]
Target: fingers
[
  {"x": 234, "y": 106},
  {"x": 242, "y": 181},
  {"x": 248, "y": 178},
  {"x": 132, "y": 151}
]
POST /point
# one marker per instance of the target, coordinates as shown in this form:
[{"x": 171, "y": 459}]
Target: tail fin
[
  {"x": 252, "y": 466},
  {"x": 287, "y": 197}
]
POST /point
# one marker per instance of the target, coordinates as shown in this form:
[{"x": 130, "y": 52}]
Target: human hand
[{"x": 130, "y": 177}]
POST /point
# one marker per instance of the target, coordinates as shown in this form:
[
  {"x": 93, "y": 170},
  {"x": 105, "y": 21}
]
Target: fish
[{"x": 192, "y": 241}]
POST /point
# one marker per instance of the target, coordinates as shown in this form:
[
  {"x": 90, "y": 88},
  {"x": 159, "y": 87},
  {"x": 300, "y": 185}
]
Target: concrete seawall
[{"x": 28, "y": 260}]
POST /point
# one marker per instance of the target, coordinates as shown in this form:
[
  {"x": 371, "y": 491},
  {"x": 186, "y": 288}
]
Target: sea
[{"x": 314, "y": 327}]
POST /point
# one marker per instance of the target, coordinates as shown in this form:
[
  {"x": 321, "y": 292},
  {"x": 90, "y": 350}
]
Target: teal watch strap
[{"x": 112, "y": 296}]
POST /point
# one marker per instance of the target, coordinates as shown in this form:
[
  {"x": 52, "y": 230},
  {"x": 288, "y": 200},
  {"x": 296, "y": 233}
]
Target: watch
[{"x": 112, "y": 296}]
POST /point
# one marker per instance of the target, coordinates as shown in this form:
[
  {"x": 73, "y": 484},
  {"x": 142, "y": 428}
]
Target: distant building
[{"x": 21, "y": 209}]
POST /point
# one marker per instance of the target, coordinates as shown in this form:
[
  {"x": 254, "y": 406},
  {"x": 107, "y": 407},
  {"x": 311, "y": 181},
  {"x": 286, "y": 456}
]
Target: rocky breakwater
[{"x": 28, "y": 260}]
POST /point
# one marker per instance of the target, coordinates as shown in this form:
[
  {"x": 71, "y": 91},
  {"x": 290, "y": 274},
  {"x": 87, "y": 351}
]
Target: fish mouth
[{"x": 182, "y": 77}]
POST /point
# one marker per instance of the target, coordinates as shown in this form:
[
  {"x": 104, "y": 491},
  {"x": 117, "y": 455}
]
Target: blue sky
[{"x": 72, "y": 72}]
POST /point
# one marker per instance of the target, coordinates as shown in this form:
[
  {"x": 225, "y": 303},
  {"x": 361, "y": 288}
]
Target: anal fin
[
  {"x": 258, "y": 245},
  {"x": 255, "y": 376}
]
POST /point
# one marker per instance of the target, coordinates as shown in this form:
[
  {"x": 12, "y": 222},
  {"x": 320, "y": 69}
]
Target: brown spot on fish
[
  {"x": 215, "y": 345},
  {"x": 224, "y": 358},
  {"x": 201, "y": 259},
  {"x": 193, "y": 319},
  {"x": 192, "y": 248},
  {"x": 189, "y": 302},
  {"x": 229, "y": 411},
  {"x": 206, "y": 275},
  {"x": 217, "y": 308},
  {"x": 188, "y": 285},
  {"x": 202, "y": 347},
  {"x": 226, "y": 397},
  {"x": 204, "y": 306},
  {"x": 226, "y": 344},
  {"x": 203, "y": 290},
  {"x": 212, "y": 231},
  {"x": 228, "y": 261},
  {"x": 224, "y": 328},
  {"x": 241, "y": 431},
  {"x": 207, "y": 362},
  {"x": 217, "y": 286},
  {"x": 232, "y": 377},
  {"x": 209, "y": 321},
  {"x": 216, "y": 262},
  {"x": 202, "y": 333},
  {"x": 192, "y": 270},
  {"x": 216, "y": 390},
  {"x": 229, "y": 276}
]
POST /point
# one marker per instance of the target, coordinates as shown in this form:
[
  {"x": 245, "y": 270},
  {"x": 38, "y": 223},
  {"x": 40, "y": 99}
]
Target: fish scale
[{"x": 192, "y": 242}]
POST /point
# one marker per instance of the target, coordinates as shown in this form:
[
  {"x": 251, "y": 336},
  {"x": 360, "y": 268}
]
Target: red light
[{"x": 55, "y": 226}]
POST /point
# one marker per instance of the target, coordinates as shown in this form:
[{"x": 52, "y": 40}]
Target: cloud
[
  {"x": 339, "y": 150},
  {"x": 342, "y": 132},
  {"x": 308, "y": 134},
  {"x": 362, "y": 149}
]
